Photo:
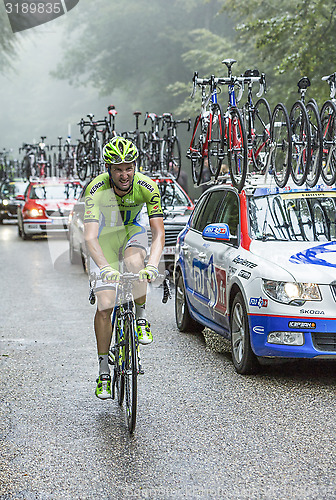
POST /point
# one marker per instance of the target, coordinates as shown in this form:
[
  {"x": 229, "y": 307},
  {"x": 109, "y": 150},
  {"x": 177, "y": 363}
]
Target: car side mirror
[{"x": 217, "y": 232}]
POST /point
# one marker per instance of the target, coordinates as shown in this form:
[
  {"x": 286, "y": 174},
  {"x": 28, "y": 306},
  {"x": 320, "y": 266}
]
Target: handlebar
[
  {"x": 131, "y": 277},
  {"x": 249, "y": 77}
]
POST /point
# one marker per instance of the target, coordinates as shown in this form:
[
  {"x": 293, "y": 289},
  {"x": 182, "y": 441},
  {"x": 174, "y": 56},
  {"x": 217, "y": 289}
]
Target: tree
[
  {"x": 292, "y": 38},
  {"x": 136, "y": 46}
]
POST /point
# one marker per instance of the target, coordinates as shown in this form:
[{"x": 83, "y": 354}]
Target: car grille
[
  {"x": 324, "y": 341},
  {"x": 171, "y": 234},
  {"x": 56, "y": 214}
]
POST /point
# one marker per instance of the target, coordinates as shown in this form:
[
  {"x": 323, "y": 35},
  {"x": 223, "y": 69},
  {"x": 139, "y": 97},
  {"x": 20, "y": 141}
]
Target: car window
[
  {"x": 208, "y": 211},
  {"x": 54, "y": 192},
  {"x": 229, "y": 212},
  {"x": 172, "y": 195},
  {"x": 294, "y": 217}
]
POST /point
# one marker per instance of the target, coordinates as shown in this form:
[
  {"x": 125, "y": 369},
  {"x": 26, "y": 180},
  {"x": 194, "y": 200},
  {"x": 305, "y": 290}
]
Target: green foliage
[
  {"x": 293, "y": 39},
  {"x": 150, "y": 50},
  {"x": 137, "y": 46}
]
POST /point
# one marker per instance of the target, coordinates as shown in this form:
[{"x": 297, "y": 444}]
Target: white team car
[{"x": 259, "y": 268}]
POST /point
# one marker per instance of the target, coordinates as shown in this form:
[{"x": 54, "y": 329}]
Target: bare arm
[
  {"x": 92, "y": 244},
  {"x": 158, "y": 240}
]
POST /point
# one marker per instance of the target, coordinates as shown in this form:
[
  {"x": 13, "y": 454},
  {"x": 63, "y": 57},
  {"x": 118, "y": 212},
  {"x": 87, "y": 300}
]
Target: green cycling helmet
[{"x": 120, "y": 150}]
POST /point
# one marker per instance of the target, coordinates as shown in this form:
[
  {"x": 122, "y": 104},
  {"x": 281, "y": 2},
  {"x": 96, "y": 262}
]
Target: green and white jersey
[{"x": 103, "y": 205}]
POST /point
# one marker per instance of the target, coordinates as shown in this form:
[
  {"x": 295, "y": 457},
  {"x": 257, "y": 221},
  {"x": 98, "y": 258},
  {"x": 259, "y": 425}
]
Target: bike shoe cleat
[
  {"x": 103, "y": 389},
  {"x": 144, "y": 332}
]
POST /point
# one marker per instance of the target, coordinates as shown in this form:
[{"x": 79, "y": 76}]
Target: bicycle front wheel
[
  {"x": 171, "y": 157},
  {"x": 316, "y": 144},
  {"x": 281, "y": 144},
  {"x": 117, "y": 358},
  {"x": 195, "y": 152},
  {"x": 261, "y": 125},
  {"x": 328, "y": 120},
  {"x": 81, "y": 161},
  {"x": 237, "y": 149},
  {"x": 216, "y": 141},
  {"x": 301, "y": 142},
  {"x": 131, "y": 372}
]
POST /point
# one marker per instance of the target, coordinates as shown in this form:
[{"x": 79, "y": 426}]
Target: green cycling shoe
[
  {"x": 103, "y": 389},
  {"x": 144, "y": 332}
]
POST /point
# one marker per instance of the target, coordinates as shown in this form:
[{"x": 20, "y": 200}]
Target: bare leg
[
  {"x": 102, "y": 321},
  {"x": 135, "y": 261}
]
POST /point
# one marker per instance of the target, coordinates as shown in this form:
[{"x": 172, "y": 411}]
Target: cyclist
[{"x": 113, "y": 231}]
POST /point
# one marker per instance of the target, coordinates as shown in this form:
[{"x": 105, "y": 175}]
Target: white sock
[
  {"x": 104, "y": 368},
  {"x": 140, "y": 311}
]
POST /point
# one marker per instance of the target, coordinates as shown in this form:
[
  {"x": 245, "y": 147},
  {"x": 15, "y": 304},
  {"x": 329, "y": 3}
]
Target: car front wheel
[
  {"x": 185, "y": 323},
  {"x": 244, "y": 359}
]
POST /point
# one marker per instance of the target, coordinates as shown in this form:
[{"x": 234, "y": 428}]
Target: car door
[
  {"x": 197, "y": 253},
  {"x": 221, "y": 255}
]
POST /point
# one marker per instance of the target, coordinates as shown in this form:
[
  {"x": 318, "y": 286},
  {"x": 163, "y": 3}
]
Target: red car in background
[{"x": 48, "y": 203}]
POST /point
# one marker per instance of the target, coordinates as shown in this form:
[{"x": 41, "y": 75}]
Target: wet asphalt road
[{"x": 202, "y": 432}]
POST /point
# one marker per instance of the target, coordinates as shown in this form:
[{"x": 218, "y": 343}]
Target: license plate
[{"x": 169, "y": 250}]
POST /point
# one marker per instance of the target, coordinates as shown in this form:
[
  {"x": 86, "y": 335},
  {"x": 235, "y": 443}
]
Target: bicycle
[
  {"x": 314, "y": 158},
  {"x": 140, "y": 139},
  {"x": 170, "y": 148},
  {"x": 257, "y": 120},
  {"x": 207, "y": 136},
  {"x": 88, "y": 151},
  {"x": 58, "y": 158},
  {"x": 124, "y": 353},
  {"x": 151, "y": 146},
  {"x": 69, "y": 158},
  {"x": 328, "y": 120},
  {"x": 28, "y": 165},
  {"x": 300, "y": 136},
  {"x": 281, "y": 146},
  {"x": 109, "y": 131},
  {"x": 214, "y": 132},
  {"x": 42, "y": 162}
]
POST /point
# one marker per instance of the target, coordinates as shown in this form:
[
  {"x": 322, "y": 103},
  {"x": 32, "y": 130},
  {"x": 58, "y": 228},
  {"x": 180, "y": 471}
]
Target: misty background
[
  {"x": 33, "y": 103},
  {"x": 141, "y": 55}
]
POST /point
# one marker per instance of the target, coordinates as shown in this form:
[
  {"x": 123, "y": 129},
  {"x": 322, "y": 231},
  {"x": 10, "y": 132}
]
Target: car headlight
[
  {"x": 291, "y": 292},
  {"x": 5, "y": 202},
  {"x": 35, "y": 212}
]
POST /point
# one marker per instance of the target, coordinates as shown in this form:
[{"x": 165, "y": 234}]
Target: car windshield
[
  {"x": 13, "y": 189},
  {"x": 55, "y": 191},
  {"x": 172, "y": 195},
  {"x": 306, "y": 216}
]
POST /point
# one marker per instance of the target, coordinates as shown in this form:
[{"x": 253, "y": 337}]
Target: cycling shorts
[{"x": 114, "y": 242}]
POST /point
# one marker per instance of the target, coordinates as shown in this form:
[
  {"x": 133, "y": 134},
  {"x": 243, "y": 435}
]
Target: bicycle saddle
[
  {"x": 251, "y": 72},
  {"x": 229, "y": 62},
  {"x": 303, "y": 83}
]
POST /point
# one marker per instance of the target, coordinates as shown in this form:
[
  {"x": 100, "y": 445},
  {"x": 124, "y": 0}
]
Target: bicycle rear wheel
[
  {"x": 171, "y": 157},
  {"x": 195, "y": 152},
  {"x": 216, "y": 141},
  {"x": 81, "y": 161},
  {"x": 237, "y": 149},
  {"x": 314, "y": 170},
  {"x": 261, "y": 125},
  {"x": 301, "y": 142},
  {"x": 281, "y": 142},
  {"x": 328, "y": 121},
  {"x": 131, "y": 373}
]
